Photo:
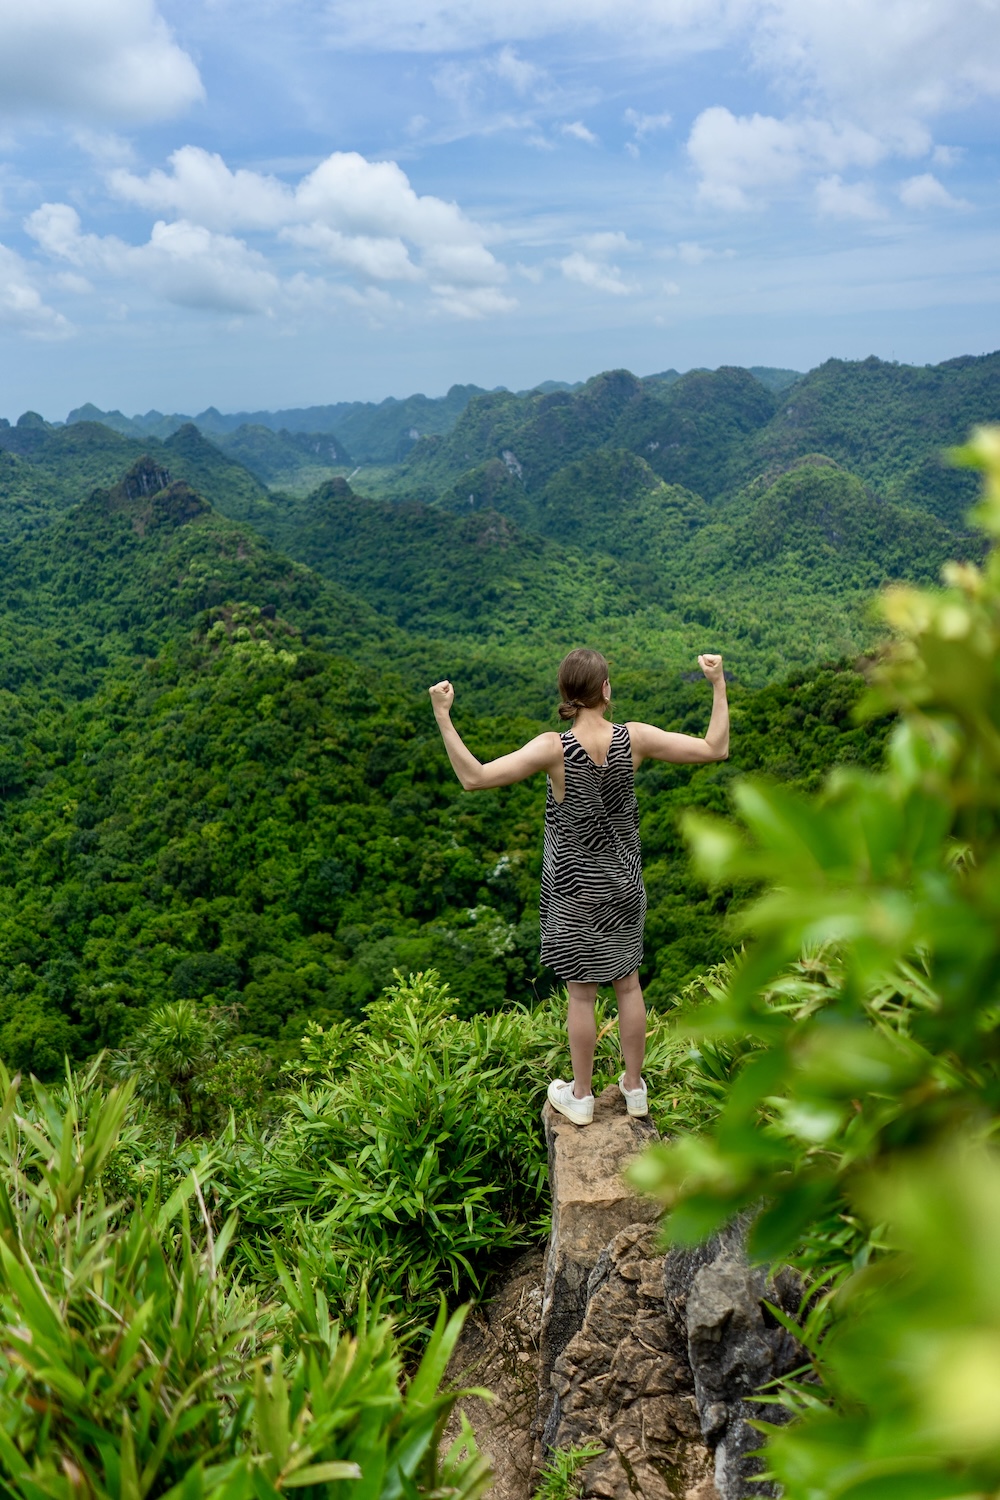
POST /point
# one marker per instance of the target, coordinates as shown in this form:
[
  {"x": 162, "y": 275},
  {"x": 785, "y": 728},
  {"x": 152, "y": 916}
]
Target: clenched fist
[
  {"x": 442, "y": 696},
  {"x": 710, "y": 665}
]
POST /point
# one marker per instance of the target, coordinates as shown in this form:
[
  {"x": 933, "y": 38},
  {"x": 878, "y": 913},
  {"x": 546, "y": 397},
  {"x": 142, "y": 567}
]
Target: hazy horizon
[{"x": 192, "y": 410}]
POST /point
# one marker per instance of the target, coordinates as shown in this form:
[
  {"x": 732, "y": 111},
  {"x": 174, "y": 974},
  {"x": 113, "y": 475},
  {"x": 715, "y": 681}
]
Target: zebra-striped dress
[{"x": 593, "y": 902}]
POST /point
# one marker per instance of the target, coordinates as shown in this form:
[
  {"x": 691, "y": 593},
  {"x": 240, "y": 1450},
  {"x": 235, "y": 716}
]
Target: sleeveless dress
[{"x": 593, "y": 901}]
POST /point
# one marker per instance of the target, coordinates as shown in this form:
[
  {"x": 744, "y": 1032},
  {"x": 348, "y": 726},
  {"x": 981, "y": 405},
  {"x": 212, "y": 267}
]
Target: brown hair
[{"x": 582, "y": 675}]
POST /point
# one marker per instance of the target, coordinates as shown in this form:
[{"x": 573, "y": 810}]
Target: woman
[{"x": 593, "y": 902}]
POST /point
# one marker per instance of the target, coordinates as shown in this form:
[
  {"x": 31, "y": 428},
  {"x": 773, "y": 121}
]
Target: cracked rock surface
[
  {"x": 608, "y": 1339},
  {"x": 624, "y": 1381}
]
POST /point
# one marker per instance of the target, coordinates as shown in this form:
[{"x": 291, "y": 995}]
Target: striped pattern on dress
[{"x": 593, "y": 901}]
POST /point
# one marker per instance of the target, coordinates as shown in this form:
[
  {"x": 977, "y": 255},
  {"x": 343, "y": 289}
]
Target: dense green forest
[
  {"x": 271, "y": 979},
  {"x": 220, "y": 778}
]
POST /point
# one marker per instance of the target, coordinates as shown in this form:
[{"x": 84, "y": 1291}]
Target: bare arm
[
  {"x": 650, "y": 743},
  {"x": 543, "y": 753}
]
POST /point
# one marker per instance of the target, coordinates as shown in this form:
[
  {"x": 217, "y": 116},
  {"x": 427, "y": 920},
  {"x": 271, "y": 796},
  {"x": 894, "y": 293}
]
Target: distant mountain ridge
[
  {"x": 674, "y": 508},
  {"x": 366, "y": 431}
]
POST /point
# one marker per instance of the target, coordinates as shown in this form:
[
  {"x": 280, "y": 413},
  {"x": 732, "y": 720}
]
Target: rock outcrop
[
  {"x": 654, "y": 1356},
  {"x": 623, "y": 1382},
  {"x": 590, "y": 1204},
  {"x": 735, "y": 1345}
]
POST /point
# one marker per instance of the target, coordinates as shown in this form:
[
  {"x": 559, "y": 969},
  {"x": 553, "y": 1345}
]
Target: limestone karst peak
[{"x": 148, "y": 493}]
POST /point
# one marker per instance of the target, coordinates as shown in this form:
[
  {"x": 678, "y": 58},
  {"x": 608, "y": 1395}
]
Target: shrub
[
  {"x": 137, "y": 1365},
  {"x": 411, "y": 1160}
]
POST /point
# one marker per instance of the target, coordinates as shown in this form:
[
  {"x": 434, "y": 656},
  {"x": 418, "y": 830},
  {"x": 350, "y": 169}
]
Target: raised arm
[
  {"x": 543, "y": 753},
  {"x": 650, "y": 743}
]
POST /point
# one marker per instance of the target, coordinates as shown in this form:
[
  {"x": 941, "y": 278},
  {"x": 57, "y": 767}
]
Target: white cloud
[
  {"x": 608, "y": 242},
  {"x": 889, "y": 63},
  {"x": 886, "y": 67},
  {"x": 693, "y": 254},
  {"x": 377, "y": 259},
  {"x": 522, "y": 76},
  {"x": 102, "y": 60},
  {"x": 21, "y": 305},
  {"x": 456, "y": 82},
  {"x": 72, "y": 282},
  {"x": 847, "y": 200},
  {"x": 579, "y": 132},
  {"x": 461, "y": 265},
  {"x": 104, "y": 147},
  {"x": 743, "y": 160},
  {"x": 643, "y": 125},
  {"x": 183, "y": 263},
  {"x": 925, "y": 191},
  {"x": 357, "y": 212},
  {"x": 473, "y": 302},
  {"x": 445, "y": 26},
  {"x": 201, "y": 188},
  {"x": 473, "y": 85},
  {"x": 363, "y": 218},
  {"x": 594, "y": 274}
]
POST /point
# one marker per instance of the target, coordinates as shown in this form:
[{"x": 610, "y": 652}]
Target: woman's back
[{"x": 593, "y": 902}]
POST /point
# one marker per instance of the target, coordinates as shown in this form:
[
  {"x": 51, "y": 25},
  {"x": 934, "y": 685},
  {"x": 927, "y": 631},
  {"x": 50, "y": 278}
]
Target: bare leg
[
  {"x": 631, "y": 1027},
  {"x": 582, "y": 1029}
]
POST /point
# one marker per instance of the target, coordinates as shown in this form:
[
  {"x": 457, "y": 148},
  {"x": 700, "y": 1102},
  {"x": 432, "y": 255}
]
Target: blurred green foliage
[{"x": 859, "y": 1129}]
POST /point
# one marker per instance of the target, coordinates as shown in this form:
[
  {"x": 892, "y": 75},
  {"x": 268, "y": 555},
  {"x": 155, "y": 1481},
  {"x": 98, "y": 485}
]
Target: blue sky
[{"x": 263, "y": 203}]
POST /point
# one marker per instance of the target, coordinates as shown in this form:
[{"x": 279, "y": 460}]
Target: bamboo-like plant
[{"x": 137, "y": 1364}]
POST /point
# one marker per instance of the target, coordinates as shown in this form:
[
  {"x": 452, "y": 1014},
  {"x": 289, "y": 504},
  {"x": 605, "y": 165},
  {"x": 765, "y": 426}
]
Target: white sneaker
[
  {"x": 636, "y": 1100},
  {"x": 562, "y": 1098}
]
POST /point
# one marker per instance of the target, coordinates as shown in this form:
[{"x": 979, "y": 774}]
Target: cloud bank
[
  {"x": 350, "y": 217},
  {"x": 102, "y": 60}
]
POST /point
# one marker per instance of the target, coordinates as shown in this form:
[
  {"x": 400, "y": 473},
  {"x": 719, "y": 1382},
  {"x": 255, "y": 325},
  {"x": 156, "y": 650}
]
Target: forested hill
[
  {"x": 654, "y": 515},
  {"x": 218, "y": 772},
  {"x": 714, "y": 431},
  {"x": 45, "y": 470}
]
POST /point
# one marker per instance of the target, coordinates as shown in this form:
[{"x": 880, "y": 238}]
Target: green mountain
[
  {"x": 693, "y": 431},
  {"x": 137, "y": 564},
  {"x": 532, "y": 436},
  {"x": 715, "y": 431},
  {"x": 376, "y": 432},
  {"x": 285, "y": 460},
  {"x": 46, "y": 470},
  {"x": 218, "y": 771},
  {"x": 775, "y": 379},
  {"x": 887, "y": 423}
]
